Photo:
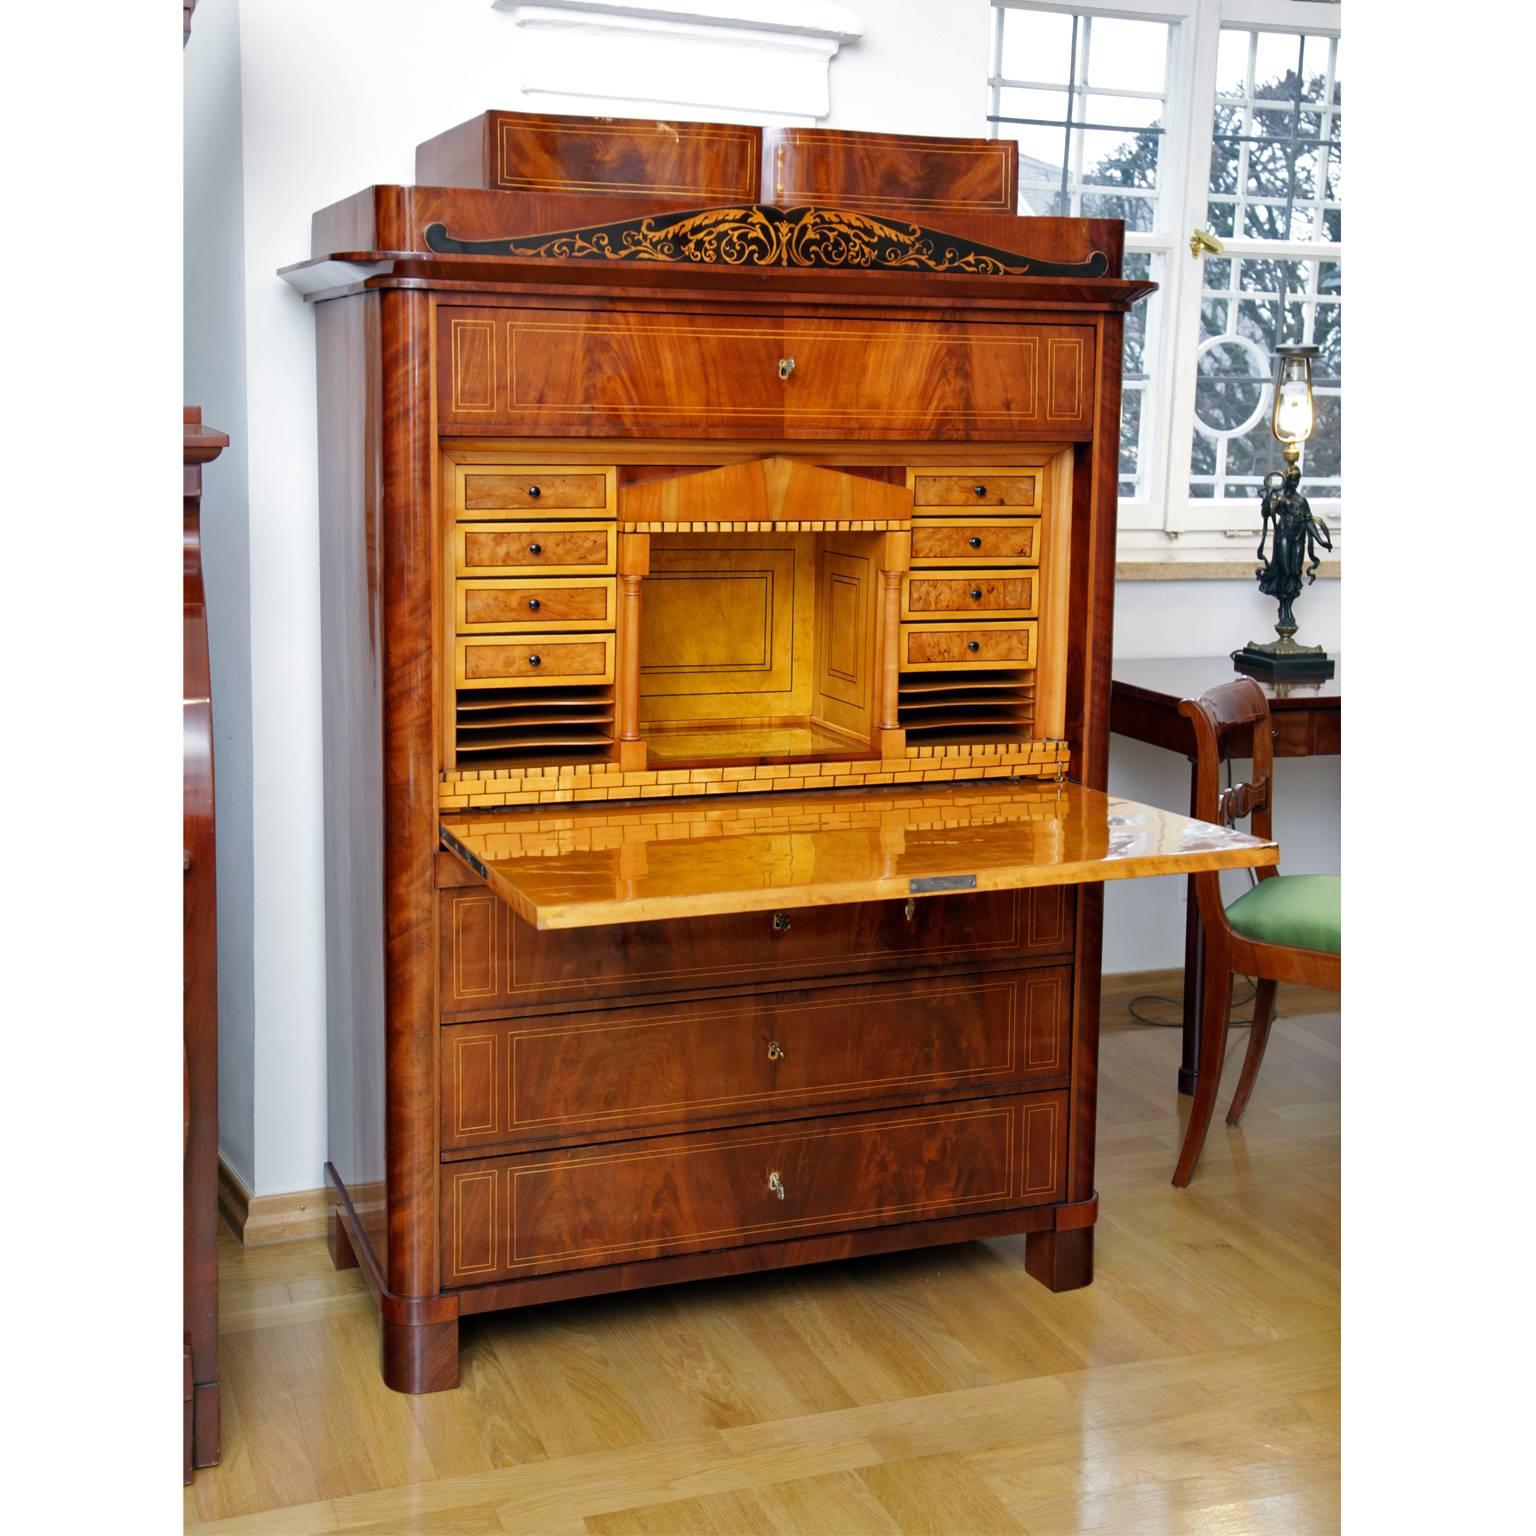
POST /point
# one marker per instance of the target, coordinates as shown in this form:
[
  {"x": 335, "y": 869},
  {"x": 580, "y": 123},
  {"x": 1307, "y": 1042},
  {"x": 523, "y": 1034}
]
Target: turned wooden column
[{"x": 634, "y": 565}]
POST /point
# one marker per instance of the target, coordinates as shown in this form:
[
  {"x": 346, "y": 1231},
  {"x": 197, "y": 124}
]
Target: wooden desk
[{"x": 1144, "y": 704}]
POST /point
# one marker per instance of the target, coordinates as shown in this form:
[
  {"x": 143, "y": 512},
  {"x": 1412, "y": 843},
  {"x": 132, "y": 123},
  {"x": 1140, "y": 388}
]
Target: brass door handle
[
  {"x": 776, "y": 1185},
  {"x": 786, "y": 367},
  {"x": 775, "y": 1051}
]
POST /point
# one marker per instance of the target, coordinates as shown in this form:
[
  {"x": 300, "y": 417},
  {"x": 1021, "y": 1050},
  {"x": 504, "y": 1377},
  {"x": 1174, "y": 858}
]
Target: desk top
[
  {"x": 1174, "y": 678},
  {"x": 590, "y": 867}
]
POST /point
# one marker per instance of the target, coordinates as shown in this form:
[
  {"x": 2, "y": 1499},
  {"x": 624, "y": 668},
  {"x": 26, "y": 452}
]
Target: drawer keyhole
[
  {"x": 974, "y": 541},
  {"x": 775, "y": 1051},
  {"x": 535, "y": 549},
  {"x": 976, "y": 594},
  {"x": 776, "y": 1185},
  {"x": 781, "y": 922},
  {"x": 534, "y": 492},
  {"x": 786, "y": 367},
  {"x": 533, "y": 603},
  {"x": 534, "y": 661},
  {"x": 973, "y": 645}
]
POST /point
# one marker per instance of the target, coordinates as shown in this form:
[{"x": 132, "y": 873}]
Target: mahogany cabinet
[{"x": 717, "y": 539}]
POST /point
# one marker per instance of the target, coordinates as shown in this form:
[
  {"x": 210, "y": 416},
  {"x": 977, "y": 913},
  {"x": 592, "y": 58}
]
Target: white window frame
[{"x": 1165, "y": 513}]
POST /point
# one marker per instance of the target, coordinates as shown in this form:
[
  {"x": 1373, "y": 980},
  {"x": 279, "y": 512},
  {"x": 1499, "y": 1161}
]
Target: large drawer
[
  {"x": 532, "y": 371},
  {"x": 491, "y": 961},
  {"x": 541, "y": 1212},
  {"x": 671, "y": 1066}
]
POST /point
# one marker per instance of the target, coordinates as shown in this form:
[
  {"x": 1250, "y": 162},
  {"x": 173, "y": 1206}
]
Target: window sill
[{"x": 1202, "y": 567}]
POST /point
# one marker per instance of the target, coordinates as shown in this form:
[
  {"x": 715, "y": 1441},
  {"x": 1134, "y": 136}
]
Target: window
[{"x": 1176, "y": 115}]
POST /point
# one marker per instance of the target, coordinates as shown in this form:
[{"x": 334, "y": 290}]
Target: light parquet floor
[{"x": 1193, "y": 1387}]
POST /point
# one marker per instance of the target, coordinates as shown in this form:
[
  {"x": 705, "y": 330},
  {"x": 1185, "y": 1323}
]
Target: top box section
[{"x": 721, "y": 162}]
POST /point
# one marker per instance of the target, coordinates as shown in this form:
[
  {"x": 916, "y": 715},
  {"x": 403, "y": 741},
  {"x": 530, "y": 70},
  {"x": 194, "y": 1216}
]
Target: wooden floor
[{"x": 1192, "y": 1388}]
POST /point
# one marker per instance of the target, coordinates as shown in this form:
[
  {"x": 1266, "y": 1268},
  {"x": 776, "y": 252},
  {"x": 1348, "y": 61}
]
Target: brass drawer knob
[
  {"x": 786, "y": 367},
  {"x": 534, "y": 661},
  {"x": 533, "y": 603},
  {"x": 974, "y": 541},
  {"x": 775, "y": 1051},
  {"x": 776, "y": 1185},
  {"x": 781, "y": 922},
  {"x": 975, "y": 595},
  {"x": 534, "y": 492},
  {"x": 535, "y": 549}
]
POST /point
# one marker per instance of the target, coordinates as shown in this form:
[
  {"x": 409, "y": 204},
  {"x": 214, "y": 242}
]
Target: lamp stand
[{"x": 1297, "y": 535}]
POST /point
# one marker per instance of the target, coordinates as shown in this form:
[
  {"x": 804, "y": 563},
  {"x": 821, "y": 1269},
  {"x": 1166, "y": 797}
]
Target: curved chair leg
[
  {"x": 1258, "y": 1038},
  {"x": 1213, "y": 1050}
]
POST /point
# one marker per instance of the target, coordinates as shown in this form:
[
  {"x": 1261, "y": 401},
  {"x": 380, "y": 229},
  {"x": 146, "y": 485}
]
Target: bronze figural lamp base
[{"x": 1297, "y": 537}]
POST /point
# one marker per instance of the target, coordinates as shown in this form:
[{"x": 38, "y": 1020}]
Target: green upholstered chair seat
[{"x": 1297, "y": 910}]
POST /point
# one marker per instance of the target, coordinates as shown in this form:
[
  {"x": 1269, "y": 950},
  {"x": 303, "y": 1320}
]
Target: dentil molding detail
[{"x": 755, "y": 58}]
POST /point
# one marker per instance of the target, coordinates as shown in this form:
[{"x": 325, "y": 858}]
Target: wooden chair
[{"x": 1285, "y": 929}]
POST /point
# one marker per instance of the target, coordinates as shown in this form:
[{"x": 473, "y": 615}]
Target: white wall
[
  {"x": 213, "y": 367},
  {"x": 334, "y": 97}
]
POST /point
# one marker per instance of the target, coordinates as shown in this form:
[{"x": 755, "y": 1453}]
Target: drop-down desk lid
[{"x": 593, "y": 865}]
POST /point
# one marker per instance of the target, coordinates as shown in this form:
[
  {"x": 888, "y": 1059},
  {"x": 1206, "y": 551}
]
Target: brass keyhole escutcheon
[
  {"x": 910, "y": 910},
  {"x": 775, "y": 1051},
  {"x": 776, "y": 1185},
  {"x": 781, "y": 922},
  {"x": 786, "y": 367}
]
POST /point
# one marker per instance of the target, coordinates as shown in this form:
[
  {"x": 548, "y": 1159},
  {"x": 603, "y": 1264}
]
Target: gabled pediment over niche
[{"x": 763, "y": 495}]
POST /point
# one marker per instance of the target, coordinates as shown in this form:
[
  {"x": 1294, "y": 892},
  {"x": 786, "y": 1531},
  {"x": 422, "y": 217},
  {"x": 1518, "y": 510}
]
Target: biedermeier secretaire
[{"x": 717, "y": 539}]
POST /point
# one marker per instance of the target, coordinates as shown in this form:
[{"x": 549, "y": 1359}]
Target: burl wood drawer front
[
  {"x": 494, "y": 661},
  {"x": 1017, "y": 488},
  {"x": 562, "y": 371},
  {"x": 980, "y": 646},
  {"x": 674, "y": 1065},
  {"x": 485, "y": 491},
  {"x": 486, "y": 604},
  {"x": 983, "y": 594},
  {"x": 492, "y": 961},
  {"x": 551, "y": 549},
  {"x": 959, "y": 541},
  {"x": 578, "y": 1209}
]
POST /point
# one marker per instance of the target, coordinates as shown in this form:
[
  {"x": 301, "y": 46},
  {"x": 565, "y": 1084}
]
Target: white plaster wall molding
[{"x": 760, "y": 58}]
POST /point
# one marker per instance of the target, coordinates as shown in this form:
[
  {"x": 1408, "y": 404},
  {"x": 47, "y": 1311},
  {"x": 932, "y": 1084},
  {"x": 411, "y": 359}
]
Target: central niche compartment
[{"x": 758, "y": 645}]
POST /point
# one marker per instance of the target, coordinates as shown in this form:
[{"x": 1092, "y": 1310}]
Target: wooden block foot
[
  {"x": 340, "y": 1244},
  {"x": 421, "y": 1357},
  {"x": 1062, "y": 1261}
]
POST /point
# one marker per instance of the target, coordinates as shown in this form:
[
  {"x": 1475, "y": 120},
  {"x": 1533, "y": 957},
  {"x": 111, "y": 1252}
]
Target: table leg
[{"x": 1194, "y": 973}]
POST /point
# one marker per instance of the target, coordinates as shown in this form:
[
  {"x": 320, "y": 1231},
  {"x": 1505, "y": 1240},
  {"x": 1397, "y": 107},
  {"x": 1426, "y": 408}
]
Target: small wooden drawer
[
  {"x": 984, "y": 647},
  {"x": 581, "y": 1208},
  {"x": 553, "y": 549},
  {"x": 967, "y": 541},
  {"x": 501, "y": 661},
  {"x": 680, "y": 1066},
  {"x": 977, "y": 488},
  {"x": 492, "y": 962},
  {"x": 488, "y": 603},
  {"x": 985, "y": 594},
  {"x": 491, "y": 490}
]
